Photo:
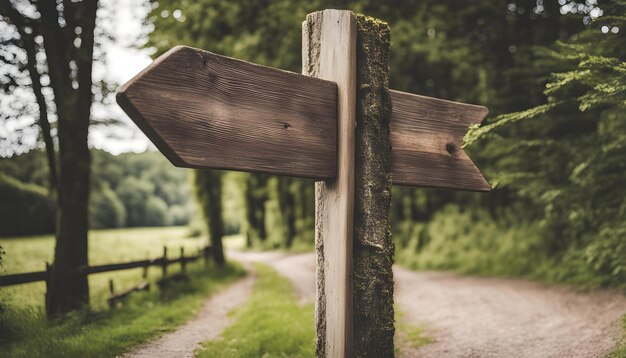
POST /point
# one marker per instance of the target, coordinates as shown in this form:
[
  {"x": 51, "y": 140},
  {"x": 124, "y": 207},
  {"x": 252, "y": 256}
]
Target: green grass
[
  {"x": 270, "y": 324},
  {"x": 273, "y": 324},
  {"x": 25, "y": 254},
  {"x": 620, "y": 350},
  {"x": 99, "y": 331},
  {"x": 408, "y": 335}
]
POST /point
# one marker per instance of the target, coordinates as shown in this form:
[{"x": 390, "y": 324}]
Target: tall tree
[
  {"x": 27, "y": 29},
  {"x": 256, "y": 196},
  {"x": 67, "y": 36},
  {"x": 209, "y": 194}
]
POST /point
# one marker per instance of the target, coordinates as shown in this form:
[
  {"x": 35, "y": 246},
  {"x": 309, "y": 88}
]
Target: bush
[
  {"x": 25, "y": 209},
  {"x": 106, "y": 210},
  {"x": 156, "y": 212},
  {"x": 473, "y": 242}
]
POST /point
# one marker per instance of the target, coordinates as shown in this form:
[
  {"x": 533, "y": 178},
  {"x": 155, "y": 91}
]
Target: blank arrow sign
[{"x": 204, "y": 110}]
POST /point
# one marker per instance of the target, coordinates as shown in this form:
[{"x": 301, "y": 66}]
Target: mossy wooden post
[
  {"x": 373, "y": 248},
  {"x": 354, "y": 308}
]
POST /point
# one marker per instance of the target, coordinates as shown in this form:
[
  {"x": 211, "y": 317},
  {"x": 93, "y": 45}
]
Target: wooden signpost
[{"x": 332, "y": 125}]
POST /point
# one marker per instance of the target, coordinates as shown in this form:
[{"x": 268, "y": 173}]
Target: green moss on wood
[{"x": 372, "y": 246}]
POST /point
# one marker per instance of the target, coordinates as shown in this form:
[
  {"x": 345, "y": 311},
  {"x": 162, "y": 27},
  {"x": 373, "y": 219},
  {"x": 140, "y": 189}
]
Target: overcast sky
[{"x": 123, "y": 61}]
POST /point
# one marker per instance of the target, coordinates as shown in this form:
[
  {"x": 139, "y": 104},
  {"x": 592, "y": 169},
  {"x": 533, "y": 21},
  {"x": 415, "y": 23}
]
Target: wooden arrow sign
[{"x": 204, "y": 110}]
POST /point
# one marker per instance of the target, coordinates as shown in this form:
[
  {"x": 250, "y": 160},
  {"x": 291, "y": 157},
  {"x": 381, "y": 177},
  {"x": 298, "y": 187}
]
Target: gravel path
[
  {"x": 485, "y": 317},
  {"x": 207, "y": 325},
  {"x": 493, "y": 317}
]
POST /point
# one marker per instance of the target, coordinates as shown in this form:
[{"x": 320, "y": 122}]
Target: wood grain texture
[
  {"x": 329, "y": 52},
  {"x": 426, "y": 138},
  {"x": 204, "y": 110}
]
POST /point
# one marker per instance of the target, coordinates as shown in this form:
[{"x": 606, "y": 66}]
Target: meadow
[{"x": 100, "y": 331}]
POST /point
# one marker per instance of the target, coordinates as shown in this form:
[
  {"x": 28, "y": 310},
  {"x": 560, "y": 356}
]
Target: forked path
[{"x": 485, "y": 317}]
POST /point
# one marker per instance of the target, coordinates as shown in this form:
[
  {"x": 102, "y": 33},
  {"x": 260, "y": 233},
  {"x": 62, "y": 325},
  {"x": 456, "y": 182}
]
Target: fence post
[
  {"x": 144, "y": 274},
  {"x": 182, "y": 259},
  {"x": 206, "y": 253},
  {"x": 111, "y": 292},
  {"x": 47, "y": 283},
  {"x": 164, "y": 263}
]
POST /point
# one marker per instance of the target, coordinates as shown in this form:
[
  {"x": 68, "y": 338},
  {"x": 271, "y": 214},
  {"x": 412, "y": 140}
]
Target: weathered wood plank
[
  {"x": 204, "y": 110},
  {"x": 20, "y": 278},
  {"x": 329, "y": 52},
  {"x": 426, "y": 138}
]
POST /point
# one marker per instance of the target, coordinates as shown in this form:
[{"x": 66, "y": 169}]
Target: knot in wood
[{"x": 451, "y": 148}]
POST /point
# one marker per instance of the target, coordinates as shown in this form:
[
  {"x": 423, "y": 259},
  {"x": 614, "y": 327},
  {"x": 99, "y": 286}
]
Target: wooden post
[
  {"x": 164, "y": 267},
  {"x": 329, "y": 52},
  {"x": 354, "y": 310},
  {"x": 110, "y": 301},
  {"x": 144, "y": 274},
  {"x": 182, "y": 259},
  {"x": 206, "y": 253},
  {"x": 372, "y": 254},
  {"x": 48, "y": 272}
]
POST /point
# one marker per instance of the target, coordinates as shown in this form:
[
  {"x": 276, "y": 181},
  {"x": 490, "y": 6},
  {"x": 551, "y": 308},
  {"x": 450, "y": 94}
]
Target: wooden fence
[{"x": 163, "y": 262}]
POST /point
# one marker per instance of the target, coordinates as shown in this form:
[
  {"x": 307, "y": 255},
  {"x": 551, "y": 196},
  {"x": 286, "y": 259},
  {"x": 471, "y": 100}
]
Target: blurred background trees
[{"x": 551, "y": 72}]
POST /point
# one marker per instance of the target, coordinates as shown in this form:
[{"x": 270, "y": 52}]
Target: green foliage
[
  {"x": 106, "y": 209},
  {"x": 473, "y": 242},
  {"x": 155, "y": 212},
  {"x": 24, "y": 208},
  {"x": 270, "y": 324},
  {"x": 132, "y": 189}
]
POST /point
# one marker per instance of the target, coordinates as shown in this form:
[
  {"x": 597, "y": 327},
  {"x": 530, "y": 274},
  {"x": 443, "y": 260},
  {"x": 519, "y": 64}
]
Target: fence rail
[{"x": 163, "y": 262}]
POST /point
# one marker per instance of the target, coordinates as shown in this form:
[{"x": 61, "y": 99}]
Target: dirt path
[
  {"x": 485, "y": 317},
  {"x": 207, "y": 325}
]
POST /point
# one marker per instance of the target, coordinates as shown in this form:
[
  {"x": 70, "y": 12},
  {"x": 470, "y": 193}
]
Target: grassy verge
[
  {"x": 25, "y": 332},
  {"x": 270, "y": 324},
  {"x": 25, "y": 254},
  {"x": 407, "y": 335},
  {"x": 238, "y": 242},
  {"x": 620, "y": 350},
  {"x": 99, "y": 331},
  {"x": 273, "y": 324}
]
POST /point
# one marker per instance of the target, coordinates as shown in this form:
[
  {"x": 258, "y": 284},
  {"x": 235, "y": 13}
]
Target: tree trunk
[
  {"x": 69, "y": 287},
  {"x": 29, "y": 45},
  {"x": 287, "y": 209},
  {"x": 256, "y": 196},
  {"x": 209, "y": 193}
]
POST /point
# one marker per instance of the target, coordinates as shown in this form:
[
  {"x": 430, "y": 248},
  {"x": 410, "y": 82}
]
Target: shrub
[
  {"x": 106, "y": 210},
  {"x": 25, "y": 209}
]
